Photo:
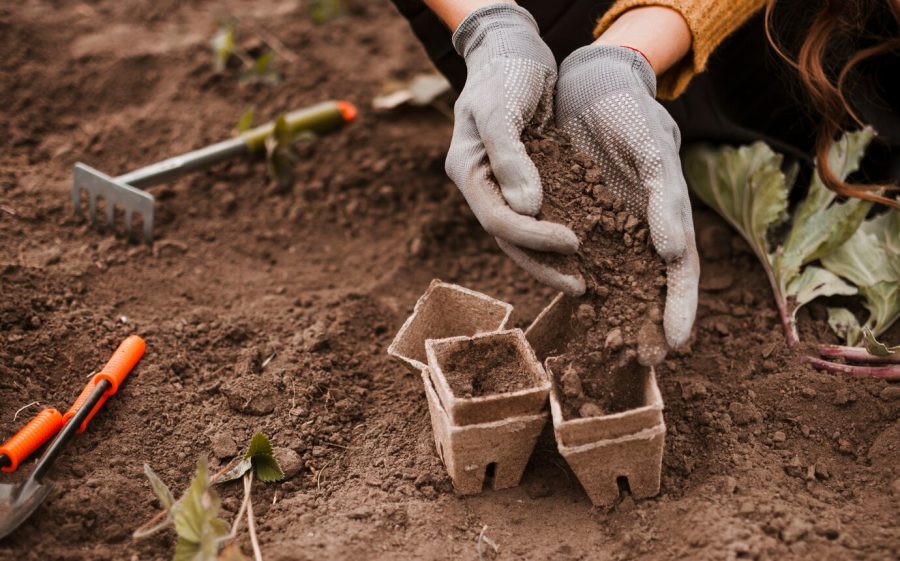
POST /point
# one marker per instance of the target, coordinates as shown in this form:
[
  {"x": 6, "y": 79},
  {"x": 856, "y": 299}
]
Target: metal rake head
[{"x": 114, "y": 194}]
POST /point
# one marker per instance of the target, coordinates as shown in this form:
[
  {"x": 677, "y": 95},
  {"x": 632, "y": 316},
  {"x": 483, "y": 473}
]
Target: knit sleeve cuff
[{"x": 710, "y": 23}]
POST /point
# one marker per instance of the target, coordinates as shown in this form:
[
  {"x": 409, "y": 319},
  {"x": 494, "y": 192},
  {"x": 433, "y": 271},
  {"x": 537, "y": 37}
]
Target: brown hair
[{"x": 836, "y": 21}]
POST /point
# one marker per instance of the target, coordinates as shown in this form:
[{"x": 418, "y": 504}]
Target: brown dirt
[
  {"x": 621, "y": 311},
  {"x": 765, "y": 458},
  {"x": 485, "y": 367}
]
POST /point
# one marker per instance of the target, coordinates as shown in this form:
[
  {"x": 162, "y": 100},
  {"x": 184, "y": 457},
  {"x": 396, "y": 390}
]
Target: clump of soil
[
  {"x": 484, "y": 367},
  {"x": 621, "y": 314}
]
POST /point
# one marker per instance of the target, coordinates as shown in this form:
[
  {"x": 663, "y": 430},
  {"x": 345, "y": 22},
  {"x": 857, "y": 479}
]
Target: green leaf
[
  {"x": 876, "y": 347},
  {"x": 870, "y": 260},
  {"x": 819, "y": 225},
  {"x": 260, "y": 453},
  {"x": 186, "y": 550},
  {"x": 814, "y": 282},
  {"x": 245, "y": 123},
  {"x": 261, "y": 65},
  {"x": 280, "y": 153},
  {"x": 196, "y": 519},
  {"x": 222, "y": 45},
  {"x": 259, "y": 446},
  {"x": 745, "y": 185},
  {"x": 266, "y": 469},
  {"x": 844, "y": 324},
  {"x": 323, "y": 11},
  {"x": 159, "y": 488}
]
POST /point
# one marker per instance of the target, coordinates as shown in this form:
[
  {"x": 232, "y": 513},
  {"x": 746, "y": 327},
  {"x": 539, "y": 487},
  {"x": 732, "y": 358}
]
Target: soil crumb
[
  {"x": 619, "y": 321},
  {"x": 485, "y": 366}
]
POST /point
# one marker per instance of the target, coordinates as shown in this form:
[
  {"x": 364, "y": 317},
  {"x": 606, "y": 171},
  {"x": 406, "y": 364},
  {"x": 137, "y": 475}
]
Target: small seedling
[
  {"x": 323, "y": 11},
  {"x": 201, "y": 533},
  {"x": 261, "y": 70},
  {"x": 829, "y": 248},
  {"x": 280, "y": 153},
  {"x": 195, "y": 517},
  {"x": 222, "y": 45},
  {"x": 245, "y": 123}
]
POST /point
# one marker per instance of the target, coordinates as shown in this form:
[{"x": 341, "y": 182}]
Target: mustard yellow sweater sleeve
[{"x": 710, "y": 21}]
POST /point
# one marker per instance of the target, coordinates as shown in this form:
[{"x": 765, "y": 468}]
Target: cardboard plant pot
[
  {"x": 517, "y": 362},
  {"x": 603, "y": 450},
  {"x": 610, "y": 450},
  {"x": 446, "y": 310},
  {"x": 470, "y": 453}
]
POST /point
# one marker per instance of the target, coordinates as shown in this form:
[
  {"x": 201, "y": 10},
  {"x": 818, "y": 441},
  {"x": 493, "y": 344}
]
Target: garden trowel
[
  {"x": 125, "y": 191},
  {"x": 19, "y": 501}
]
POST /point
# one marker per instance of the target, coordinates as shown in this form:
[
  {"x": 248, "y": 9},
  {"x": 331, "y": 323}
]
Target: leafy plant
[
  {"x": 201, "y": 533},
  {"x": 245, "y": 122},
  {"x": 195, "y": 516},
  {"x": 323, "y": 11},
  {"x": 749, "y": 188}
]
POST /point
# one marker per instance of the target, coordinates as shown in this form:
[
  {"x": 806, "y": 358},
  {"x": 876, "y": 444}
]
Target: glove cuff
[{"x": 500, "y": 30}]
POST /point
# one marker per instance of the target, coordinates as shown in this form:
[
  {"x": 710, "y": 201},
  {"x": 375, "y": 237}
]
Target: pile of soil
[
  {"x": 272, "y": 310},
  {"x": 619, "y": 319},
  {"x": 481, "y": 367}
]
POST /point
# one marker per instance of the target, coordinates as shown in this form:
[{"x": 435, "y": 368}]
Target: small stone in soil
[{"x": 289, "y": 461}]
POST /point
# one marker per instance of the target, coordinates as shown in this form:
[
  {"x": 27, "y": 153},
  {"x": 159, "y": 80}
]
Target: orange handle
[
  {"x": 116, "y": 370},
  {"x": 38, "y": 431}
]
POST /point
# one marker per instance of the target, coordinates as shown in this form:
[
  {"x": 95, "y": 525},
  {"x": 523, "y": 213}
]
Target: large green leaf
[
  {"x": 870, "y": 259},
  {"x": 814, "y": 282},
  {"x": 819, "y": 224},
  {"x": 745, "y": 185}
]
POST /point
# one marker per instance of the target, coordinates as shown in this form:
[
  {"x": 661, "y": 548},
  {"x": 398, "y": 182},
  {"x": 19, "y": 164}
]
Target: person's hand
[
  {"x": 605, "y": 104},
  {"x": 510, "y": 82}
]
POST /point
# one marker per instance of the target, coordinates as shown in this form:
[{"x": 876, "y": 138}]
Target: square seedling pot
[
  {"x": 446, "y": 310},
  {"x": 603, "y": 450},
  {"x": 470, "y": 452},
  {"x": 516, "y": 360}
]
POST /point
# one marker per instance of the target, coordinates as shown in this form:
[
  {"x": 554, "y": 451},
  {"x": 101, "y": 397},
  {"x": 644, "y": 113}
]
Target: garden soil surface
[{"x": 270, "y": 310}]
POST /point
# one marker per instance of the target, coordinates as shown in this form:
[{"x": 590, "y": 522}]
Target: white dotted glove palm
[
  {"x": 510, "y": 82},
  {"x": 605, "y": 103}
]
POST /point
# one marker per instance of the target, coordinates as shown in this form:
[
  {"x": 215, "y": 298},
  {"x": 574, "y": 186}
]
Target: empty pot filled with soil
[
  {"x": 446, "y": 310},
  {"x": 487, "y": 377}
]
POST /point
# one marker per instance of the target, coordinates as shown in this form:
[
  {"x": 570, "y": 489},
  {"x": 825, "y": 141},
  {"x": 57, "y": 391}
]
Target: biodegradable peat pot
[
  {"x": 469, "y": 452},
  {"x": 500, "y": 371},
  {"x": 603, "y": 449},
  {"x": 552, "y": 328},
  {"x": 446, "y": 310}
]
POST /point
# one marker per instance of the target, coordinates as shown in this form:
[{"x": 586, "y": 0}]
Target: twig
[
  {"x": 251, "y": 522},
  {"x": 482, "y": 538},
  {"x": 891, "y": 372},
  {"x": 24, "y": 407},
  {"x": 8, "y": 210},
  {"x": 240, "y": 515}
]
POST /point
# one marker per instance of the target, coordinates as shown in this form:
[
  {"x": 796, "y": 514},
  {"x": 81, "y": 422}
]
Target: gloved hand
[
  {"x": 510, "y": 81},
  {"x": 605, "y": 103}
]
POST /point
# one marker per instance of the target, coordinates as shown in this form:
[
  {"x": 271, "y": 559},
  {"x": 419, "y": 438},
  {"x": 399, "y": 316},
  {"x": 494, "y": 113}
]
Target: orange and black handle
[
  {"x": 31, "y": 437},
  {"x": 116, "y": 370},
  {"x": 49, "y": 421}
]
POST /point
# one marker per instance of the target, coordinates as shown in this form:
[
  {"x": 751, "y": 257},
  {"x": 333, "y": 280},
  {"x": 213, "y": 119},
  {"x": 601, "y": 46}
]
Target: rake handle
[{"x": 320, "y": 118}]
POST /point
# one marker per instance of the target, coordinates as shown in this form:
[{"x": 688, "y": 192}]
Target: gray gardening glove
[
  {"x": 605, "y": 103},
  {"x": 510, "y": 81}
]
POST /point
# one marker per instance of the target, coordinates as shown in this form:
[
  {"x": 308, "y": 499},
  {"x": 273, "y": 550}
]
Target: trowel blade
[{"x": 18, "y": 502}]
